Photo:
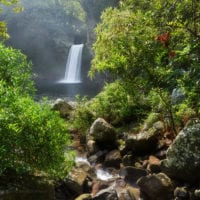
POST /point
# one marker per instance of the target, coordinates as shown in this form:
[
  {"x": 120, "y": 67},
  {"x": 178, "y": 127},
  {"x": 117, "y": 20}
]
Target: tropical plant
[
  {"x": 32, "y": 137},
  {"x": 153, "y": 45},
  {"x": 15, "y": 70},
  {"x": 114, "y": 103}
]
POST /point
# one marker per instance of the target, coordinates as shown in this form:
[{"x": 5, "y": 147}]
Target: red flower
[{"x": 164, "y": 39}]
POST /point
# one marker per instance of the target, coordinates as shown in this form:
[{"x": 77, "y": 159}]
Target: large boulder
[
  {"x": 103, "y": 133},
  {"x": 156, "y": 186},
  {"x": 183, "y": 156},
  {"x": 143, "y": 142}
]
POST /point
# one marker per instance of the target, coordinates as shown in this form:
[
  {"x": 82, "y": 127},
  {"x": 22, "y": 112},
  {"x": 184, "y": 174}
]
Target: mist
[{"x": 44, "y": 32}]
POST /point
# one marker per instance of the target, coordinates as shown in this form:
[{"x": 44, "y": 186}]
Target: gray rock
[
  {"x": 62, "y": 107},
  {"x": 156, "y": 186},
  {"x": 103, "y": 133},
  {"x": 183, "y": 156}
]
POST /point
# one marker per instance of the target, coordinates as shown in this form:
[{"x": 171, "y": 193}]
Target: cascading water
[
  {"x": 73, "y": 66},
  {"x": 101, "y": 174}
]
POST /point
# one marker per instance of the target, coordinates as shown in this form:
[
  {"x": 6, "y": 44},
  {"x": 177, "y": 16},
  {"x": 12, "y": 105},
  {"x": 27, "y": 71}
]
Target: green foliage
[
  {"x": 155, "y": 46},
  {"x": 114, "y": 103},
  {"x": 82, "y": 116},
  {"x": 94, "y": 8},
  {"x": 160, "y": 101},
  {"x": 32, "y": 137},
  {"x": 184, "y": 112},
  {"x": 152, "y": 118},
  {"x": 130, "y": 45},
  {"x": 15, "y": 70},
  {"x": 15, "y": 8},
  {"x": 191, "y": 80},
  {"x": 3, "y": 32},
  {"x": 74, "y": 8}
]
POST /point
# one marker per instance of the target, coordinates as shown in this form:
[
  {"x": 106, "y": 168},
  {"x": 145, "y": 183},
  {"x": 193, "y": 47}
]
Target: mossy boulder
[
  {"x": 103, "y": 133},
  {"x": 183, "y": 156}
]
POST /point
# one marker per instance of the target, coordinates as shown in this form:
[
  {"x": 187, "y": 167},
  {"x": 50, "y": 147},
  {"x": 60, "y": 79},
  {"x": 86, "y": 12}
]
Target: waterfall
[{"x": 73, "y": 66}]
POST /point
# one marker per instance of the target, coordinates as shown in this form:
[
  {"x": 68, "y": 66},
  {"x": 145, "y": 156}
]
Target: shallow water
[
  {"x": 104, "y": 175},
  {"x": 54, "y": 89}
]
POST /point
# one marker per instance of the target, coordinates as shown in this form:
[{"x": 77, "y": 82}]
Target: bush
[
  {"x": 151, "y": 119},
  {"x": 32, "y": 137},
  {"x": 82, "y": 116},
  {"x": 15, "y": 70},
  {"x": 114, "y": 104},
  {"x": 184, "y": 112}
]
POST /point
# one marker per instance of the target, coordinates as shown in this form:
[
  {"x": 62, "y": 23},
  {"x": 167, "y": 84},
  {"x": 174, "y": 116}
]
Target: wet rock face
[
  {"x": 183, "y": 157},
  {"x": 103, "y": 133},
  {"x": 156, "y": 186}
]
